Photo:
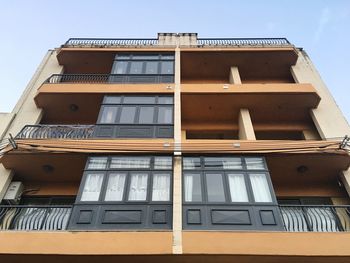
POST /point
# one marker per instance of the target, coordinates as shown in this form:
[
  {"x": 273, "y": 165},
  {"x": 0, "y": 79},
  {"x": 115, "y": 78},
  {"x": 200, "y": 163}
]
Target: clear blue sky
[{"x": 30, "y": 27}]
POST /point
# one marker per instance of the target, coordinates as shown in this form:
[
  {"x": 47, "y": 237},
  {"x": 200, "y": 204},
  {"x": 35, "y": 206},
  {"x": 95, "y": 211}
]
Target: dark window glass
[
  {"x": 191, "y": 163},
  {"x": 151, "y": 67},
  {"x": 109, "y": 114},
  {"x": 165, "y": 100},
  {"x": 136, "y": 67},
  {"x": 167, "y": 67},
  {"x": 146, "y": 115},
  {"x": 139, "y": 100},
  {"x": 165, "y": 115},
  {"x": 120, "y": 67},
  {"x": 127, "y": 114},
  {"x": 112, "y": 99},
  {"x": 215, "y": 188},
  {"x": 145, "y": 57}
]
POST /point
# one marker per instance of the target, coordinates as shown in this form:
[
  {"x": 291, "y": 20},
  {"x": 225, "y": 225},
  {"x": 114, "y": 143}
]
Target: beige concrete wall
[
  {"x": 26, "y": 112},
  {"x": 327, "y": 117}
]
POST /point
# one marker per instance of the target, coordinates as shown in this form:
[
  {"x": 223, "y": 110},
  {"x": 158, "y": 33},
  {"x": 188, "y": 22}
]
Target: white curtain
[
  {"x": 162, "y": 163},
  {"x": 97, "y": 163},
  {"x": 232, "y": 163},
  {"x": 255, "y": 163},
  {"x": 260, "y": 188},
  {"x": 130, "y": 163},
  {"x": 109, "y": 114},
  {"x": 161, "y": 187},
  {"x": 92, "y": 187},
  {"x": 238, "y": 188},
  {"x": 188, "y": 187},
  {"x": 138, "y": 187},
  {"x": 115, "y": 187}
]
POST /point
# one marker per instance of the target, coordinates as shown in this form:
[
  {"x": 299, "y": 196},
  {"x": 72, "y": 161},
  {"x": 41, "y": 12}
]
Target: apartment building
[{"x": 176, "y": 148}]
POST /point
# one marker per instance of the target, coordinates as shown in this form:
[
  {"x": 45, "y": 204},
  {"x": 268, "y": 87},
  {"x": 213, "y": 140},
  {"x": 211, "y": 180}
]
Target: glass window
[
  {"x": 161, "y": 187},
  {"x": 226, "y": 163},
  {"x": 215, "y": 187},
  {"x": 123, "y": 56},
  {"x": 145, "y": 57},
  {"x": 120, "y": 67},
  {"x": 191, "y": 163},
  {"x": 130, "y": 162},
  {"x": 165, "y": 115},
  {"x": 109, "y": 114},
  {"x": 92, "y": 187},
  {"x": 136, "y": 67},
  {"x": 255, "y": 163},
  {"x": 165, "y": 100},
  {"x": 167, "y": 57},
  {"x": 127, "y": 114},
  {"x": 139, "y": 100},
  {"x": 115, "y": 187},
  {"x": 163, "y": 163},
  {"x": 193, "y": 187},
  {"x": 146, "y": 115},
  {"x": 112, "y": 99},
  {"x": 152, "y": 67},
  {"x": 138, "y": 187},
  {"x": 238, "y": 189},
  {"x": 260, "y": 187},
  {"x": 97, "y": 163},
  {"x": 167, "y": 67}
]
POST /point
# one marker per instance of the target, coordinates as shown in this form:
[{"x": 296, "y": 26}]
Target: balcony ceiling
[{"x": 252, "y": 63}]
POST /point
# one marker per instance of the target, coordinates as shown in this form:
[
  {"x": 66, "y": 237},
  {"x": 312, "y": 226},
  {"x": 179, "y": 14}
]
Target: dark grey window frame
[
  {"x": 152, "y": 129},
  {"x": 143, "y": 77},
  {"x": 258, "y": 215},
  {"x": 125, "y": 214},
  {"x": 161, "y": 58}
]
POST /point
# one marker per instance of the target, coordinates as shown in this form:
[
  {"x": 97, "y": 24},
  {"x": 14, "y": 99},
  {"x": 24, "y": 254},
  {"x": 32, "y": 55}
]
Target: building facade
[{"x": 176, "y": 148}]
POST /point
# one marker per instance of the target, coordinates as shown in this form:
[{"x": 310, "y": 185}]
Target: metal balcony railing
[
  {"x": 243, "y": 42},
  {"x": 56, "y": 132},
  {"x": 25, "y": 217},
  {"x": 74, "y": 42},
  {"x": 320, "y": 218},
  {"x": 110, "y": 78},
  {"x": 120, "y": 42}
]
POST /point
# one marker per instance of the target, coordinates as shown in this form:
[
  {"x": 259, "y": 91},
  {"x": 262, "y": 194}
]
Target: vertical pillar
[
  {"x": 177, "y": 188},
  {"x": 235, "y": 78},
  {"x": 5, "y": 180},
  {"x": 245, "y": 125}
]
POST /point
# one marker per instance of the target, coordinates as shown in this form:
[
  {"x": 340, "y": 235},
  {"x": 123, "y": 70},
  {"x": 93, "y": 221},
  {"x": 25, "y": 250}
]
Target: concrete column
[
  {"x": 235, "y": 78},
  {"x": 5, "y": 180},
  {"x": 177, "y": 188},
  {"x": 177, "y": 206},
  {"x": 310, "y": 135},
  {"x": 245, "y": 125},
  {"x": 26, "y": 112}
]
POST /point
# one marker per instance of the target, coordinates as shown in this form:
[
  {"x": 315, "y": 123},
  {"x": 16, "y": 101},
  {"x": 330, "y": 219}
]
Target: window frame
[
  {"x": 130, "y": 57},
  {"x": 128, "y": 171},
  {"x": 225, "y": 172},
  {"x": 156, "y": 106}
]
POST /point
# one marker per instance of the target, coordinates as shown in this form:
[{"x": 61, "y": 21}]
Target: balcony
[
  {"x": 30, "y": 218},
  {"x": 56, "y": 132},
  {"x": 311, "y": 218}
]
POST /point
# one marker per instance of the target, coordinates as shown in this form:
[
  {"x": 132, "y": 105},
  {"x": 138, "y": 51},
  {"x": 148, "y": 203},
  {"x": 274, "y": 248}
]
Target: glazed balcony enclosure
[{"x": 125, "y": 192}]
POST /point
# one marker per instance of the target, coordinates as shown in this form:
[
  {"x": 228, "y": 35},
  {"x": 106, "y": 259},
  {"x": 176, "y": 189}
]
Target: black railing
[
  {"x": 315, "y": 218},
  {"x": 73, "y": 42},
  {"x": 117, "y": 42},
  {"x": 109, "y": 78},
  {"x": 243, "y": 42},
  {"x": 56, "y": 132},
  {"x": 25, "y": 217}
]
